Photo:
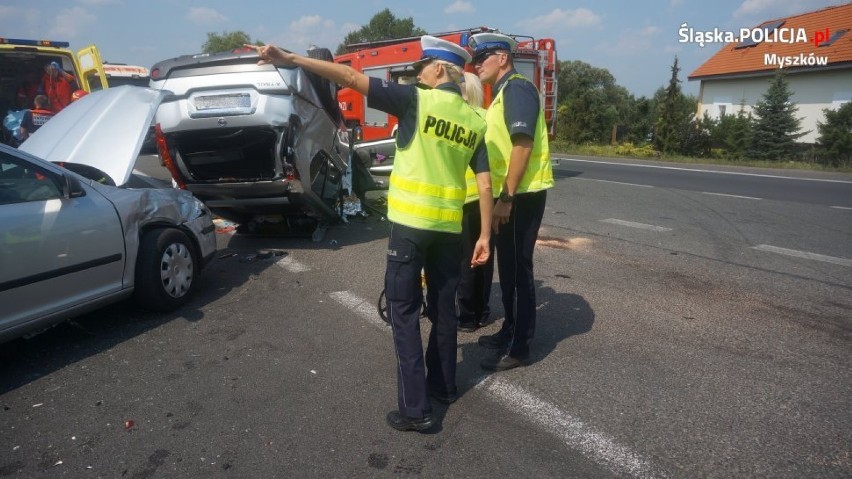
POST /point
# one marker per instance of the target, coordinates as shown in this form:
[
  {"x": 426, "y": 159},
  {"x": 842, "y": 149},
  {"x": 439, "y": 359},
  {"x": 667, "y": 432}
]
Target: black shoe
[
  {"x": 444, "y": 398},
  {"x": 485, "y": 321},
  {"x": 492, "y": 341},
  {"x": 502, "y": 362},
  {"x": 403, "y": 423},
  {"x": 469, "y": 327}
]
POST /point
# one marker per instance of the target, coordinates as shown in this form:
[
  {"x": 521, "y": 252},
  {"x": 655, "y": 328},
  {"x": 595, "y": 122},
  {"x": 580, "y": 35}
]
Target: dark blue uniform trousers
[
  {"x": 439, "y": 255},
  {"x": 515, "y": 246},
  {"x": 474, "y": 290}
]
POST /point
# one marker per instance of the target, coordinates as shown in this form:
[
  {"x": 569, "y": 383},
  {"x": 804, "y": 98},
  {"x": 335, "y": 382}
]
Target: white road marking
[
  {"x": 616, "y": 182},
  {"x": 804, "y": 254},
  {"x": 571, "y": 430},
  {"x": 635, "y": 225},
  {"x": 363, "y": 308},
  {"x": 841, "y": 207},
  {"x": 730, "y": 196},
  {"x": 708, "y": 171},
  {"x": 292, "y": 265}
]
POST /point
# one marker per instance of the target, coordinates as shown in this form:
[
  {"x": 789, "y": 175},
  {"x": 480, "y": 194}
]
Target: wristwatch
[{"x": 506, "y": 197}]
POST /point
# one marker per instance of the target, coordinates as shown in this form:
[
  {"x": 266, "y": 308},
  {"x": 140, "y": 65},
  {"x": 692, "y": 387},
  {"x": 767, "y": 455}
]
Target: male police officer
[
  {"x": 439, "y": 135},
  {"x": 517, "y": 145}
]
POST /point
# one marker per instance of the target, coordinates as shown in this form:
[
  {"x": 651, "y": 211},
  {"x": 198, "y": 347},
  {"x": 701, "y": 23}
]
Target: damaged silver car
[
  {"x": 71, "y": 240},
  {"x": 254, "y": 141}
]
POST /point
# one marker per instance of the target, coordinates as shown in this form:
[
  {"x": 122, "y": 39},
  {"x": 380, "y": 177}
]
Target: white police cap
[
  {"x": 487, "y": 42},
  {"x": 438, "y": 49}
]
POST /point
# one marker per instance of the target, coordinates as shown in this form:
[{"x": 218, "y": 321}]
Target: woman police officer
[{"x": 438, "y": 137}]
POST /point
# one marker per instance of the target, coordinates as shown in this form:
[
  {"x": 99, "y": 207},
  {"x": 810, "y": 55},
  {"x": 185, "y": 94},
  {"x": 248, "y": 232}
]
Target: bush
[
  {"x": 629, "y": 149},
  {"x": 730, "y": 136},
  {"x": 835, "y": 140},
  {"x": 695, "y": 137}
]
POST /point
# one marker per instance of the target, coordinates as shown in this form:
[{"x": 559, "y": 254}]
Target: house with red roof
[{"x": 815, "y": 51}]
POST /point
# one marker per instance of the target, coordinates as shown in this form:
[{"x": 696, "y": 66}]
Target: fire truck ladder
[{"x": 547, "y": 73}]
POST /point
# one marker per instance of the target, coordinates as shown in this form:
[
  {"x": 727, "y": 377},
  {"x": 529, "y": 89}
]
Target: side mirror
[{"x": 73, "y": 187}]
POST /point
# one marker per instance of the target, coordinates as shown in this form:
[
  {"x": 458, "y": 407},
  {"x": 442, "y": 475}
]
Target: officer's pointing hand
[{"x": 270, "y": 54}]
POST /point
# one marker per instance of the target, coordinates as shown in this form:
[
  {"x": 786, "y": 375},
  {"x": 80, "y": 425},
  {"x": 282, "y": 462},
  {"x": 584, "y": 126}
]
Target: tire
[
  {"x": 165, "y": 270},
  {"x": 326, "y": 90}
]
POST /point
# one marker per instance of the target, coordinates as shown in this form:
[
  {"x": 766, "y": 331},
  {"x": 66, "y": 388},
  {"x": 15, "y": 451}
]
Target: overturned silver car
[{"x": 254, "y": 141}]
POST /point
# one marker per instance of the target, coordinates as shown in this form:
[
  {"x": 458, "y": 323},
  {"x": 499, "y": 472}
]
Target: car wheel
[{"x": 165, "y": 270}]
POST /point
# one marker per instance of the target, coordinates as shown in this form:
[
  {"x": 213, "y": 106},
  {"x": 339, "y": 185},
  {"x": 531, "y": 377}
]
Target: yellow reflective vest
[
  {"x": 539, "y": 174},
  {"x": 427, "y": 185},
  {"x": 470, "y": 176}
]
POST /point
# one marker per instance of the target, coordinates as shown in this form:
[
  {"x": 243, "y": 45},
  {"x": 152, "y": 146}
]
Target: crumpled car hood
[{"x": 104, "y": 130}]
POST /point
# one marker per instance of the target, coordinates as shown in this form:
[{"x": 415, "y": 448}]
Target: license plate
[{"x": 223, "y": 102}]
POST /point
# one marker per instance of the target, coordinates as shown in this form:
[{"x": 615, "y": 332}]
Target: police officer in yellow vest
[
  {"x": 518, "y": 151},
  {"x": 438, "y": 137}
]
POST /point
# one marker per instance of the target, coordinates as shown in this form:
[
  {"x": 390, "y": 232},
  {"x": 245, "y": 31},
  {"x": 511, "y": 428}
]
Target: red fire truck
[{"x": 392, "y": 60}]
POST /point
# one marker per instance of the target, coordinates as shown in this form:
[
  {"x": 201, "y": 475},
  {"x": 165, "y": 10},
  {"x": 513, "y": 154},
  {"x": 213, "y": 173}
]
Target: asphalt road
[
  {"x": 681, "y": 333},
  {"x": 834, "y": 190}
]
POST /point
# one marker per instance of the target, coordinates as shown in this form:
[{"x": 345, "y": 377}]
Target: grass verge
[{"x": 648, "y": 153}]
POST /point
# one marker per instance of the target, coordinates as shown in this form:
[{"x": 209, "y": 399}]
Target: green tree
[
  {"x": 383, "y": 26},
  {"x": 591, "y": 103},
  {"x": 674, "y": 118},
  {"x": 695, "y": 138},
  {"x": 835, "y": 135},
  {"x": 732, "y": 133},
  {"x": 641, "y": 118},
  {"x": 776, "y": 127},
  {"x": 226, "y": 41},
  {"x": 736, "y": 143}
]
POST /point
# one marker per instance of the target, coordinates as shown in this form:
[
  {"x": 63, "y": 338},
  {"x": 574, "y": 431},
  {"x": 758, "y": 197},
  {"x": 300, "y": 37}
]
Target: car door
[
  {"x": 57, "y": 251},
  {"x": 377, "y": 156},
  {"x": 92, "y": 75}
]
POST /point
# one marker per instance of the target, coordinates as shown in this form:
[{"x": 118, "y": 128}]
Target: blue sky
[{"x": 635, "y": 41}]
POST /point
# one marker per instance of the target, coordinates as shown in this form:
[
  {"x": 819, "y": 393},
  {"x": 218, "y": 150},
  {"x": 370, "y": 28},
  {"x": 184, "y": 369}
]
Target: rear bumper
[{"x": 245, "y": 193}]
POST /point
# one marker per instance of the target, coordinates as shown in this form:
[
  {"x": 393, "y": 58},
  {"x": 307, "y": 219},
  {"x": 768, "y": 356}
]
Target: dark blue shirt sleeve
[
  {"x": 391, "y": 97},
  {"x": 522, "y": 105},
  {"x": 479, "y": 162},
  {"x": 399, "y": 101}
]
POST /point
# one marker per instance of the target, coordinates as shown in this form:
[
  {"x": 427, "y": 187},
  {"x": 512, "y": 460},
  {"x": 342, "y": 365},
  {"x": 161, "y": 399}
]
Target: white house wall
[{"x": 812, "y": 92}]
